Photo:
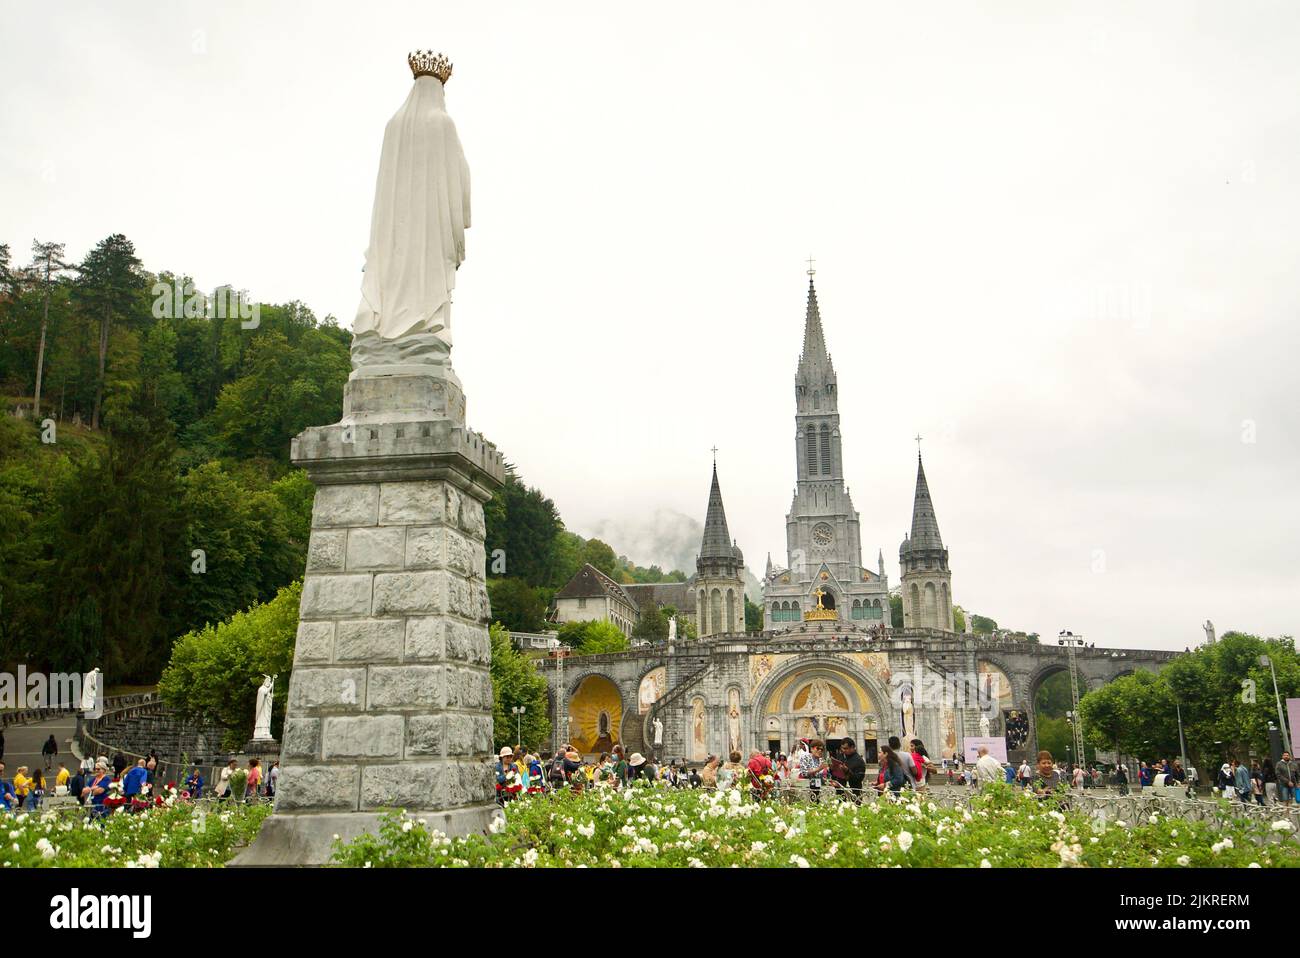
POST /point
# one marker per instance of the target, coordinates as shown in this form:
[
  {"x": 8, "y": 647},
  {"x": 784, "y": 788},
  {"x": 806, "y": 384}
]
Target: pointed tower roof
[
  {"x": 814, "y": 355},
  {"x": 925, "y": 527},
  {"x": 717, "y": 540}
]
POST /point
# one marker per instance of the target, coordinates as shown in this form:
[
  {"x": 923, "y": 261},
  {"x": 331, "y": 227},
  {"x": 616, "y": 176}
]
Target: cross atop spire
[
  {"x": 715, "y": 458},
  {"x": 917, "y": 437},
  {"x": 811, "y": 271}
]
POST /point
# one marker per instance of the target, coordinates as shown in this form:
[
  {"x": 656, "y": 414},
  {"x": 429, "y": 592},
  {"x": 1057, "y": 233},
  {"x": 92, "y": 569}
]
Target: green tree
[
  {"x": 600, "y": 555},
  {"x": 47, "y": 263},
  {"x": 523, "y": 526},
  {"x": 238, "y": 546},
  {"x": 516, "y": 605},
  {"x": 516, "y": 682},
  {"x": 110, "y": 286},
  {"x": 214, "y": 672},
  {"x": 895, "y": 610},
  {"x": 593, "y": 637},
  {"x": 283, "y": 388},
  {"x": 753, "y": 616},
  {"x": 651, "y": 626},
  {"x": 120, "y": 543}
]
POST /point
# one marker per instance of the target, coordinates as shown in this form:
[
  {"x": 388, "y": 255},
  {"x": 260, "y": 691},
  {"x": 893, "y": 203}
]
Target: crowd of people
[
  {"x": 841, "y": 770},
  {"x": 1265, "y": 783},
  {"x": 103, "y": 785}
]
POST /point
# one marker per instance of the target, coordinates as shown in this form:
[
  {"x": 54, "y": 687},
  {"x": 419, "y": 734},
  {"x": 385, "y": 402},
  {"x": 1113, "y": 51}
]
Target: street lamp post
[
  {"x": 1182, "y": 744},
  {"x": 518, "y": 712},
  {"x": 1286, "y": 736}
]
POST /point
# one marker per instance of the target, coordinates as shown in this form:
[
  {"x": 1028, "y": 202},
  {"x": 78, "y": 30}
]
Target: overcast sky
[{"x": 1058, "y": 240}]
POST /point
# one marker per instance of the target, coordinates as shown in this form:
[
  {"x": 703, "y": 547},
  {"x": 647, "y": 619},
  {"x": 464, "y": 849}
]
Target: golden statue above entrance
[{"x": 821, "y": 613}]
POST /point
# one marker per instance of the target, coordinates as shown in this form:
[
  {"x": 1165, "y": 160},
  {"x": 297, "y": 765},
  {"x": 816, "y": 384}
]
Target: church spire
[
  {"x": 717, "y": 540},
  {"x": 814, "y": 356},
  {"x": 925, "y": 527}
]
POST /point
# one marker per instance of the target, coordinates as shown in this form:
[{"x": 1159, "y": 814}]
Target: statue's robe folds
[{"x": 417, "y": 235}]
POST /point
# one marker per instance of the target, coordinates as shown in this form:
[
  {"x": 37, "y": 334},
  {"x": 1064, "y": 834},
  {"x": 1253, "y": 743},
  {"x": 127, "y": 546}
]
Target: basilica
[{"x": 829, "y": 663}]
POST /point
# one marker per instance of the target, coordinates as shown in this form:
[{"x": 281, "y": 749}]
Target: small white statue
[
  {"x": 1209, "y": 632},
  {"x": 984, "y": 726},
  {"x": 262, "y": 719},
  {"x": 659, "y": 731},
  {"x": 90, "y": 687},
  {"x": 672, "y": 629}
]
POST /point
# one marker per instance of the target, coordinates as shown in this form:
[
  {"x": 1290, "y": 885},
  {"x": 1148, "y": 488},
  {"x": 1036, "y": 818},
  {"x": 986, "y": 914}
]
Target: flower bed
[
  {"x": 656, "y": 827},
  {"x": 181, "y": 835}
]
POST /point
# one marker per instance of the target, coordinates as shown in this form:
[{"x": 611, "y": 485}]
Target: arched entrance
[
  {"x": 823, "y": 697},
  {"x": 595, "y": 715},
  {"x": 1049, "y": 701}
]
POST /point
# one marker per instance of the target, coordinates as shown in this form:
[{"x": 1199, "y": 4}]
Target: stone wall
[{"x": 390, "y": 630}]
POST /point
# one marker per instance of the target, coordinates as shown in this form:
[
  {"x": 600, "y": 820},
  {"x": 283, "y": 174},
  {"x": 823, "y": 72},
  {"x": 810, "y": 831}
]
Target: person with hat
[
  {"x": 637, "y": 767},
  {"x": 572, "y": 763},
  {"x": 507, "y": 776}
]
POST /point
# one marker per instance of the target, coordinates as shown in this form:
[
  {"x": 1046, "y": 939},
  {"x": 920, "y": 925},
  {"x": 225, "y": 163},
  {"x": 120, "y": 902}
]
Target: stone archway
[
  {"x": 595, "y": 712},
  {"x": 826, "y": 695},
  {"x": 1049, "y": 670}
]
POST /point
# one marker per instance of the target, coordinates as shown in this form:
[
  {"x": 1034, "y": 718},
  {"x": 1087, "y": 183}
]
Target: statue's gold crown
[{"x": 426, "y": 63}]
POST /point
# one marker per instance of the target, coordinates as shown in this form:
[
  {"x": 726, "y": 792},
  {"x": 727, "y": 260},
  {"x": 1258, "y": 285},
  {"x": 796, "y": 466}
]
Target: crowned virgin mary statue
[{"x": 417, "y": 232}]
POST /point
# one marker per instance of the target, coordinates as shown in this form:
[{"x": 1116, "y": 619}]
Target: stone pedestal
[
  {"x": 262, "y": 748},
  {"x": 390, "y": 703}
]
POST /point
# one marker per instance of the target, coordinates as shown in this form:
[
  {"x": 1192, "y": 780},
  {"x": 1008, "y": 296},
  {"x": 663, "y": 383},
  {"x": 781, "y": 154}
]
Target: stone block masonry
[{"x": 390, "y": 700}]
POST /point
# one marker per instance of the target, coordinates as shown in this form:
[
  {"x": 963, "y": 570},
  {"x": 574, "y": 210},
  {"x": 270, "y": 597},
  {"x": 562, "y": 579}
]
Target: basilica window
[
  {"x": 826, "y": 450},
  {"x": 812, "y": 451}
]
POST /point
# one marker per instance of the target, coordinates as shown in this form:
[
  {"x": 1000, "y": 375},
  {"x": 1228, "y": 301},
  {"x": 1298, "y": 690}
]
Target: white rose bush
[
  {"x": 179, "y": 835},
  {"x": 648, "y": 827}
]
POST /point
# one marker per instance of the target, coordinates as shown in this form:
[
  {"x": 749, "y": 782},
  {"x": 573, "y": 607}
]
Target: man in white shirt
[{"x": 987, "y": 769}]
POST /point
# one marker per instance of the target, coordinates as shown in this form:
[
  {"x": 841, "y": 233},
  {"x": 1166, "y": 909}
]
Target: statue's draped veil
[{"x": 417, "y": 226}]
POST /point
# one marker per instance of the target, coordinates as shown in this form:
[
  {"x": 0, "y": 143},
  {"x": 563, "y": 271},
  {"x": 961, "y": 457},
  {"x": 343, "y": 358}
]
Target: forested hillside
[{"x": 162, "y": 499}]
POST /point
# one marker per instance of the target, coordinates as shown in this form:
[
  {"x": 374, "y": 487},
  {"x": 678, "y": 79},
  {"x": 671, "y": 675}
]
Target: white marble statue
[
  {"x": 909, "y": 716},
  {"x": 672, "y": 629},
  {"x": 984, "y": 726},
  {"x": 659, "y": 731},
  {"x": 1209, "y": 632},
  {"x": 262, "y": 721},
  {"x": 90, "y": 686},
  {"x": 820, "y": 699},
  {"x": 417, "y": 230}
]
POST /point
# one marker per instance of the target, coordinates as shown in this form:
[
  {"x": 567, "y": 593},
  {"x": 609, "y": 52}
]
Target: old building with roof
[{"x": 593, "y": 596}]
